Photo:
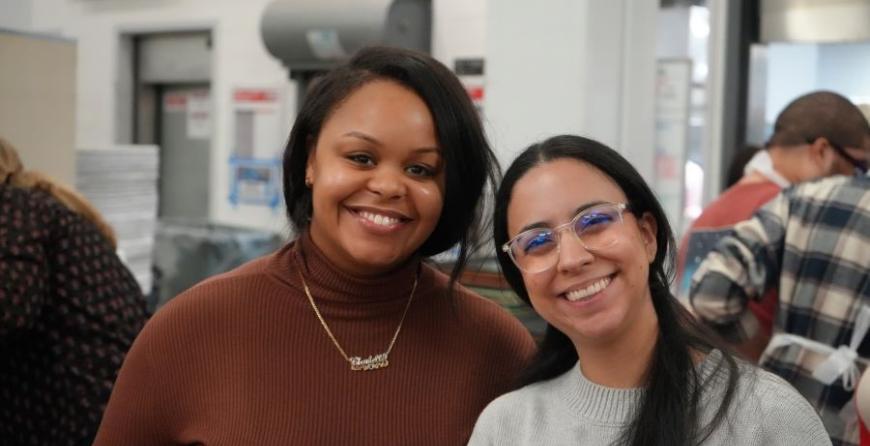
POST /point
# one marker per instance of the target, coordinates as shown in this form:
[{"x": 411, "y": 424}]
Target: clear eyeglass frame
[{"x": 508, "y": 247}]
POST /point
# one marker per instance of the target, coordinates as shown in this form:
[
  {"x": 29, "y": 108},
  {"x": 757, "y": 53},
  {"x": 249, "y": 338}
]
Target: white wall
[
  {"x": 458, "y": 30},
  {"x": 535, "y": 79},
  {"x": 15, "y": 15},
  {"x": 795, "y": 69},
  {"x": 845, "y": 68},
  {"x": 572, "y": 66},
  {"x": 791, "y": 71}
]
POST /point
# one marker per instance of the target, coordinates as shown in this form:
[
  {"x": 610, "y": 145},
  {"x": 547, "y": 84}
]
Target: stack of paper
[{"x": 121, "y": 182}]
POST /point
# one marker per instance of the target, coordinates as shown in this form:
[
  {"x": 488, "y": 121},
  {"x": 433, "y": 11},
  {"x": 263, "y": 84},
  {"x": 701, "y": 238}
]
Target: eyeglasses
[
  {"x": 537, "y": 249},
  {"x": 860, "y": 166}
]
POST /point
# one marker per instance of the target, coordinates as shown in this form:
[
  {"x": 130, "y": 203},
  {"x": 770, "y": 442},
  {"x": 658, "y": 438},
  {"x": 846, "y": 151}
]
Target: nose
[
  {"x": 572, "y": 254},
  {"x": 387, "y": 183}
]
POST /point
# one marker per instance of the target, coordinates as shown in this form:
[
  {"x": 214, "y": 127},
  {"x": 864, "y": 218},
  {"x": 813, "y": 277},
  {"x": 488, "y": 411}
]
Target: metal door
[{"x": 185, "y": 142}]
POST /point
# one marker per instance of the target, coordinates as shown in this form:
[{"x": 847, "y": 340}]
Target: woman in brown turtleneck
[{"x": 345, "y": 335}]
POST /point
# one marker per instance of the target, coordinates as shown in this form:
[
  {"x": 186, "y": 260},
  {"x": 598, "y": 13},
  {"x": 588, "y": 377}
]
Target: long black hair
[
  {"x": 469, "y": 162},
  {"x": 670, "y": 411}
]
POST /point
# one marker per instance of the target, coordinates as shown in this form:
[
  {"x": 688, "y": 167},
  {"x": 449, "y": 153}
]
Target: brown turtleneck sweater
[{"x": 241, "y": 359}]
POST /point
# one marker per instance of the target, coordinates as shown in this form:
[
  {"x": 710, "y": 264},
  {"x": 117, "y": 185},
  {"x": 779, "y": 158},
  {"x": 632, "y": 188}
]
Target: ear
[
  {"x": 309, "y": 163},
  {"x": 309, "y": 172},
  {"x": 821, "y": 154},
  {"x": 648, "y": 230}
]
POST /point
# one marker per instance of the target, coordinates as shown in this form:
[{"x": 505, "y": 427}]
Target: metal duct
[
  {"x": 815, "y": 21},
  {"x": 313, "y": 36}
]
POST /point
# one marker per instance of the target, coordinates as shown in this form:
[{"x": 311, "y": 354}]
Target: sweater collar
[
  {"x": 614, "y": 406},
  {"x": 328, "y": 282}
]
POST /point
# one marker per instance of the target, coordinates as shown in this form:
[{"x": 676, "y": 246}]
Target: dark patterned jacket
[{"x": 69, "y": 310}]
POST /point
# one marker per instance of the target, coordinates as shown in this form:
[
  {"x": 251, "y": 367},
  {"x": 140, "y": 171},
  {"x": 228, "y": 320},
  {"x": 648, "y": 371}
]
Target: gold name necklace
[{"x": 372, "y": 362}]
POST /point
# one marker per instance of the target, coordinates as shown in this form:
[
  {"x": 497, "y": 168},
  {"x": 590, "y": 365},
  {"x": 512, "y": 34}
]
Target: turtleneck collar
[
  {"x": 612, "y": 406},
  {"x": 327, "y": 282}
]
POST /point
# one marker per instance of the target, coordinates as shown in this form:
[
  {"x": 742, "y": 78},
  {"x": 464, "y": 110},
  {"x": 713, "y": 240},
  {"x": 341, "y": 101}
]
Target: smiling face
[
  {"x": 377, "y": 179},
  {"x": 592, "y": 297}
]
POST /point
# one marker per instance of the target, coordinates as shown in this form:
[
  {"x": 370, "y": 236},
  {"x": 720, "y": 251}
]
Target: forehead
[
  {"x": 381, "y": 106},
  {"x": 550, "y": 193}
]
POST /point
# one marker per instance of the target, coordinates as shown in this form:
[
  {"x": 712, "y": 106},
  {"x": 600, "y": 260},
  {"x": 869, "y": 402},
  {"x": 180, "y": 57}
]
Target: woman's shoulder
[
  {"x": 28, "y": 208},
  {"x": 535, "y": 397},
  {"x": 512, "y": 407},
  {"x": 775, "y": 393},
  {"x": 518, "y": 413},
  {"x": 766, "y": 388},
  {"x": 228, "y": 293},
  {"x": 222, "y": 307},
  {"x": 776, "y": 408}
]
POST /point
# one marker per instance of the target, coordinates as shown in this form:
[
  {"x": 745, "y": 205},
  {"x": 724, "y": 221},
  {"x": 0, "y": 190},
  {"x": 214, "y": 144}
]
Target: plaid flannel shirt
[{"x": 813, "y": 243}]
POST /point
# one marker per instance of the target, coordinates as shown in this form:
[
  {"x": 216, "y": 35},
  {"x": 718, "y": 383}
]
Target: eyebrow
[
  {"x": 375, "y": 141},
  {"x": 363, "y": 136},
  {"x": 541, "y": 224}
]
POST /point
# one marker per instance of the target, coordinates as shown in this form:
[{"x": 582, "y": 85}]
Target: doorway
[{"x": 173, "y": 109}]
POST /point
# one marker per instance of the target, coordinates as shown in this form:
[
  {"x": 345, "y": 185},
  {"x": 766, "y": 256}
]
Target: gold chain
[{"x": 373, "y": 362}]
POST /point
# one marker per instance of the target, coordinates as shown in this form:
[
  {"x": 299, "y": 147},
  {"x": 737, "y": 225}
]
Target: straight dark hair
[
  {"x": 669, "y": 413},
  {"x": 469, "y": 162}
]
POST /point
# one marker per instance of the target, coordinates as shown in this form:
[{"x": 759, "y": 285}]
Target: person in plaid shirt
[
  {"x": 813, "y": 243},
  {"x": 816, "y": 135}
]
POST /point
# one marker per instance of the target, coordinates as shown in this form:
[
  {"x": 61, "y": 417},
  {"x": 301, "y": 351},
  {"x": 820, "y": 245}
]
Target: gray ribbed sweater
[{"x": 570, "y": 409}]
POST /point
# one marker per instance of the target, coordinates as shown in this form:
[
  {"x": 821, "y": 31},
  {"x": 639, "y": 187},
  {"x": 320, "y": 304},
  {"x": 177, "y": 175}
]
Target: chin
[
  {"x": 598, "y": 334},
  {"x": 375, "y": 258},
  {"x": 394, "y": 250},
  {"x": 596, "y": 330}
]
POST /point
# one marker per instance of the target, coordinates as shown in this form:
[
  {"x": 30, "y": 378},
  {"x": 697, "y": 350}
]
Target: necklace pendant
[{"x": 373, "y": 362}]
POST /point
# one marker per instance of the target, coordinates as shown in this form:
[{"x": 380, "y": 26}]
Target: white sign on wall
[{"x": 255, "y": 163}]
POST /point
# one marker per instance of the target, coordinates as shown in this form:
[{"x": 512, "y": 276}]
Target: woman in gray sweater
[{"x": 582, "y": 238}]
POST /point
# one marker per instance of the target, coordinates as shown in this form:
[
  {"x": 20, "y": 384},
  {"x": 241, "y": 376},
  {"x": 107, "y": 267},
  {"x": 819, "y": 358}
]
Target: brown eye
[
  {"x": 361, "y": 159},
  {"x": 419, "y": 170}
]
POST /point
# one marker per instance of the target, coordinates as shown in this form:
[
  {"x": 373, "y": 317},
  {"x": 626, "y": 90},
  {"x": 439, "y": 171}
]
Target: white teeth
[
  {"x": 378, "y": 219},
  {"x": 595, "y": 287}
]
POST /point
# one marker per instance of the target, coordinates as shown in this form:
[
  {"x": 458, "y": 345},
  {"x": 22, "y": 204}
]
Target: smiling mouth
[
  {"x": 379, "y": 219},
  {"x": 590, "y": 290}
]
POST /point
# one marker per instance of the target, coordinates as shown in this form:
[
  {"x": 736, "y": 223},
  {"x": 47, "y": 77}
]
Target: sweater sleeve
[
  {"x": 24, "y": 267},
  {"x": 135, "y": 414}
]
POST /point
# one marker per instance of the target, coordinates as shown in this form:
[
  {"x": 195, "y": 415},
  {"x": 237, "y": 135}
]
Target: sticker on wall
[
  {"x": 255, "y": 181},
  {"x": 199, "y": 115}
]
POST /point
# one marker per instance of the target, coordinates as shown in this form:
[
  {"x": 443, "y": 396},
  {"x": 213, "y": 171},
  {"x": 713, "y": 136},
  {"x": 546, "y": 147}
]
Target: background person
[
  {"x": 812, "y": 242},
  {"x": 69, "y": 310},
  {"x": 816, "y": 135}
]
